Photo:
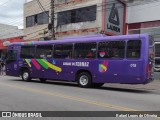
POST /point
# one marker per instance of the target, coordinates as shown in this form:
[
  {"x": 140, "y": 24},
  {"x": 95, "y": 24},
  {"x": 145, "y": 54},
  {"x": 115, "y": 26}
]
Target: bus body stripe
[
  {"x": 53, "y": 66},
  {"x": 41, "y": 62},
  {"x": 35, "y": 64},
  {"x": 27, "y": 61}
]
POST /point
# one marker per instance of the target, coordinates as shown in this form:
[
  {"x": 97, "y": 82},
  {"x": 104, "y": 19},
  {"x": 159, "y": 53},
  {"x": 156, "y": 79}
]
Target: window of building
[
  {"x": 43, "y": 18},
  {"x": 44, "y": 51},
  {"x": 85, "y": 50},
  {"x": 63, "y": 51},
  {"x": 37, "y": 19},
  {"x": 112, "y": 49},
  {"x": 30, "y": 21},
  {"x": 27, "y": 52},
  {"x": 77, "y": 15},
  {"x": 133, "y": 49}
]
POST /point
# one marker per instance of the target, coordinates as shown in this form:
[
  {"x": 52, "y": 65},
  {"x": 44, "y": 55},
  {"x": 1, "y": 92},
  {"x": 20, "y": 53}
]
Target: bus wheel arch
[
  {"x": 84, "y": 78},
  {"x": 25, "y": 74}
]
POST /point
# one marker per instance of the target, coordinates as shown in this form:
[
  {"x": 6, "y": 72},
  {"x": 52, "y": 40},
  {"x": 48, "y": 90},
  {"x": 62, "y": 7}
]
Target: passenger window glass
[
  {"x": 133, "y": 49},
  {"x": 44, "y": 51},
  {"x": 85, "y": 50},
  {"x": 12, "y": 55},
  {"x": 63, "y": 51},
  {"x": 27, "y": 52},
  {"x": 112, "y": 49}
]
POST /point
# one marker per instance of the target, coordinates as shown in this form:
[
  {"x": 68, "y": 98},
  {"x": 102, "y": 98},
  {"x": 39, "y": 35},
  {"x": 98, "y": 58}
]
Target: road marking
[{"x": 97, "y": 103}]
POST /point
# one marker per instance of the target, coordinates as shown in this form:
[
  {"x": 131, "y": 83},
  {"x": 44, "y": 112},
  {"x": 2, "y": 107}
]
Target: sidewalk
[{"x": 154, "y": 85}]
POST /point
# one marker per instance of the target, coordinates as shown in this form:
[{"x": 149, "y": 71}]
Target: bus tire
[
  {"x": 84, "y": 80},
  {"x": 42, "y": 80},
  {"x": 26, "y": 75},
  {"x": 97, "y": 85}
]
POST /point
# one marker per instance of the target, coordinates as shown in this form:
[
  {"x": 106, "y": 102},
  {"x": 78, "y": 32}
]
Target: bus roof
[{"x": 92, "y": 38}]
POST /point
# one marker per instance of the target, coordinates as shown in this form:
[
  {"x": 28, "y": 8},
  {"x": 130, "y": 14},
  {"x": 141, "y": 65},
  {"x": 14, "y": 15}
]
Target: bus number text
[{"x": 133, "y": 65}]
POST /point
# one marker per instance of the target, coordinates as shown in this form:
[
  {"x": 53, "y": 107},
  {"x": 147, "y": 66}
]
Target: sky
[{"x": 11, "y": 12}]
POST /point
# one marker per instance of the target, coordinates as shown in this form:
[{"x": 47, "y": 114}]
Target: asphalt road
[{"x": 18, "y": 95}]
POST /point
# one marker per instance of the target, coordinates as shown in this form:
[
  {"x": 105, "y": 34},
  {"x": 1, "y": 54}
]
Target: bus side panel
[
  {"x": 58, "y": 71},
  {"x": 136, "y": 68},
  {"x": 12, "y": 68},
  {"x": 109, "y": 71},
  {"x": 134, "y": 72},
  {"x": 71, "y": 67},
  {"x": 119, "y": 71}
]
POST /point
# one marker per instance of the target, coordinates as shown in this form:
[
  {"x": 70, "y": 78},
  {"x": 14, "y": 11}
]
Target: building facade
[
  {"x": 75, "y": 17},
  {"x": 9, "y": 31},
  {"x": 8, "y": 35},
  {"x": 36, "y": 19},
  {"x": 95, "y": 17},
  {"x": 84, "y": 17},
  {"x": 142, "y": 17}
]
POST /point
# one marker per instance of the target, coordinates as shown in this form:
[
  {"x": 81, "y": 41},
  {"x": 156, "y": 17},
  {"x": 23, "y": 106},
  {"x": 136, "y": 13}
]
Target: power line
[
  {"x": 132, "y": 5},
  {"x": 4, "y": 3},
  {"x": 41, "y": 7}
]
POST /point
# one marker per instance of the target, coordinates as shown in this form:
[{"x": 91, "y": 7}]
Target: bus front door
[{"x": 12, "y": 63}]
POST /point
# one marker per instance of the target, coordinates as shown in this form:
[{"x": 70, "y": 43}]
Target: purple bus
[{"x": 89, "y": 61}]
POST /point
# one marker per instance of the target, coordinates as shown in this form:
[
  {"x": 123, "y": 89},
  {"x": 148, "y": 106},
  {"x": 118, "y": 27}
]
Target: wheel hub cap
[
  {"x": 83, "y": 80},
  {"x": 25, "y": 76}
]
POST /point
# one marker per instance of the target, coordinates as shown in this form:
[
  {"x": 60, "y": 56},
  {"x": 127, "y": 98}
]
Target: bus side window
[
  {"x": 63, "y": 51},
  {"x": 90, "y": 54},
  {"x": 133, "y": 49},
  {"x": 27, "y": 52},
  {"x": 85, "y": 50},
  {"x": 111, "y": 49},
  {"x": 115, "y": 53},
  {"x": 44, "y": 51}
]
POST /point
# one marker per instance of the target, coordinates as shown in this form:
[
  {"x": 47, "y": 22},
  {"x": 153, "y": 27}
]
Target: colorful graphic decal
[
  {"x": 38, "y": 63},
  {"x": 27, "y": 43},
  {"x": 34, "y": 62},
  {"x": 103, "y": 67},
  {"x": 102, "y": 54},
  {"x": 41, "y": 62},
  {"x": 28, "y": 62},
  {"x": 54, "y": 62},
  {"x": 58, "y": 69}
]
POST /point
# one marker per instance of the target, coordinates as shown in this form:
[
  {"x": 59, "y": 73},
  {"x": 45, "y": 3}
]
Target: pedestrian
[{"x": 2, "y": 67}]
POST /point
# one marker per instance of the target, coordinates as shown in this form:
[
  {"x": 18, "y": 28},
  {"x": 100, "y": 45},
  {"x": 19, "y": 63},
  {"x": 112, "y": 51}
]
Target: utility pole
[{"x": 52, "y": 20}]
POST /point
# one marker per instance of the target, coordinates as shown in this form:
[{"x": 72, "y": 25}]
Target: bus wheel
[
  {"x": 97, "y": 85},
  {"x": 42, "y": 80},
  {"x": 84, "y": 80},
  {"x": 26, "y": 75}
]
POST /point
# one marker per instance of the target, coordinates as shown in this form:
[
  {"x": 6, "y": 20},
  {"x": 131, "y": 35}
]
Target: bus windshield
[{"x": 11, "y": 55}]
